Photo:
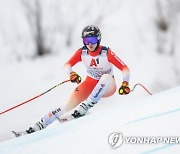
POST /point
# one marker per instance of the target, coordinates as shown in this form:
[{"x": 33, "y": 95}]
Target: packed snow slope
[{"x": 156, "y": 115}]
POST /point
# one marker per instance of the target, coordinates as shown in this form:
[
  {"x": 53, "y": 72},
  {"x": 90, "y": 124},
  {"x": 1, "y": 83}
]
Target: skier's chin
[
  {"x": 92, "y": 50},
  {"x": 92, "y": 47}
]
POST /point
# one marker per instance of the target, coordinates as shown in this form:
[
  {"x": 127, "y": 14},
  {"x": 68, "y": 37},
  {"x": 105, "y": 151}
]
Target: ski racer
[{"x": 100, "y": 80}]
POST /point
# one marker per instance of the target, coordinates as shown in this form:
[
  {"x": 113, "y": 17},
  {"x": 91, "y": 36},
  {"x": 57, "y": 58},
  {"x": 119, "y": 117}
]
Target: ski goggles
[{"x": 92, "y": 40}]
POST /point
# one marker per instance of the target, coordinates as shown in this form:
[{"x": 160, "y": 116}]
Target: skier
[{"x": 100, "y": 81}]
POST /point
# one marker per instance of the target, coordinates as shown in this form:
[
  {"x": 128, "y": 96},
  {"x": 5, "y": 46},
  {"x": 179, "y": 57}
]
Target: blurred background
[{"x": 145, "y": 34}]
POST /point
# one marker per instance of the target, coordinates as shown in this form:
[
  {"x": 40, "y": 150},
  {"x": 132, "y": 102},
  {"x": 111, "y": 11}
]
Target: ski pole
[
  {"x": 34, "y": 97},
  {"x": 139, "y": 84}
]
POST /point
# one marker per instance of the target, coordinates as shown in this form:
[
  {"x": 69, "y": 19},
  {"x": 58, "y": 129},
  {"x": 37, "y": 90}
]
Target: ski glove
[
  {"x": 124, "y": 89},
  {"x": 74, "y": 77}
]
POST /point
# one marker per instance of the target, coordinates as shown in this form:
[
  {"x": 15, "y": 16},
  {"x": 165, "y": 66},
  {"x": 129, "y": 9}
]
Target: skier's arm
[
  {"x": 72, "y": 61},
  {"x": 115, "y": 60}
]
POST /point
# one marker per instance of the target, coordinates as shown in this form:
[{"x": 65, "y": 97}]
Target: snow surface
[{"x": 156, "y": 115}]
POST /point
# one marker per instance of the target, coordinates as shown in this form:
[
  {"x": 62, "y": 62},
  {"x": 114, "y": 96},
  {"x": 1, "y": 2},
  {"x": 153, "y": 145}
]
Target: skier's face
[
  {"x": 91, "y": 47},
  {"x": 91, "y": 42}
]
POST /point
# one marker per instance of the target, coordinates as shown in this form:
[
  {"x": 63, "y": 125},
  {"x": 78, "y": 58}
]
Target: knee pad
[
  {"x": 106, "y": 79},
  {"x": 52, "y": 116},
  {"x": 101, "y": 88}
]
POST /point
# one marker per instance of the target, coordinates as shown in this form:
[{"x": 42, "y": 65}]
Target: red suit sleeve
[
  {"x": 75, "y": 58},
  {"x": 115, "y": 60},
  {"x": 72, "y": 61}
]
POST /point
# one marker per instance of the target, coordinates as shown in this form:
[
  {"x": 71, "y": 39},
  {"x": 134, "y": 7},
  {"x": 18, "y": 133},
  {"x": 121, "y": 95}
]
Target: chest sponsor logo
[{"x": 94, "y": 62}]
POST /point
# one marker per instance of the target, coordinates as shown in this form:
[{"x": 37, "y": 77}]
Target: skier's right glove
[
  {"x": 124, "y": 89},
  {"x": 74, "y": 77}
]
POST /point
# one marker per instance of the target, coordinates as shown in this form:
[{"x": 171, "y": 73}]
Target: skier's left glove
[
  {"x": 74, "y": 77},
  {"x": 124, "y": 89}
]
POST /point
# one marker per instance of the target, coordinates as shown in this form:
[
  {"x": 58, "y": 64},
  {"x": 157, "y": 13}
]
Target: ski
[
  {"x": 62, "y": 120},
  {"x": 66, "y": 118},
  {"x": 70, "y": 117},
  {"x": 18, "y": 134}
]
